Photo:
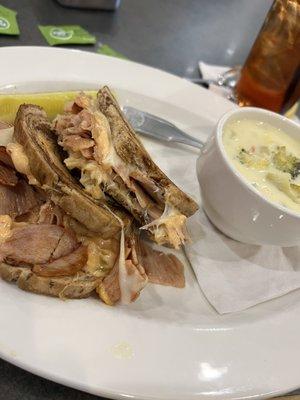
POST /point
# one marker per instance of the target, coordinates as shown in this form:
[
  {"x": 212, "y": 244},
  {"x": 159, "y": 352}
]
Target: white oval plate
[{"x": 170, "y": 344}]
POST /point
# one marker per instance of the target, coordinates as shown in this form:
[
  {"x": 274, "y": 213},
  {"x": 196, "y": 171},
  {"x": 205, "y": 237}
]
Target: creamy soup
[{"x": 267, "y": 157}]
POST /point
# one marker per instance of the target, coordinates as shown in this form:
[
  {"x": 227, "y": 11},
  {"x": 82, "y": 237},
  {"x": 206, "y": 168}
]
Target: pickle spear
[{"x": 52, "y": 102}]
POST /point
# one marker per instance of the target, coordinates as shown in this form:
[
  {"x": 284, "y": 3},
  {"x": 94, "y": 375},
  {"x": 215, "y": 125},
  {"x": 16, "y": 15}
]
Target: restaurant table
[{"x": 169, "y": 34}]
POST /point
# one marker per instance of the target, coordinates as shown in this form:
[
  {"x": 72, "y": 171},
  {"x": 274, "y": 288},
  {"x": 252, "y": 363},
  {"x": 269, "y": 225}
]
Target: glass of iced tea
[{"x": 270, "y": 77}]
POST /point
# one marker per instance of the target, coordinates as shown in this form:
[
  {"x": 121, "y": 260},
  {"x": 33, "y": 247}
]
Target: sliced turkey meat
[
  {"x": 127, "y": 278},
  {"x": 161, "y": 268},
  {"x": 66, "y": 265},
  {"x": 31, "y": 217},
  {"x": 5, "y": 158},
  {"x": 76, "y": 127},
  {"x": 50, "y": 213},
  {"x": 67, "y": 244},
  {"x": 17, "y": 197},
  {"x": 6, "y": 131},
  {"x": 149, "y": 186},
  {"x": 37, "y": 244},
  {"x": 17, "y": 200},
  {"x": 8, "y": 176},
  {"x": 77, "y": 143}
]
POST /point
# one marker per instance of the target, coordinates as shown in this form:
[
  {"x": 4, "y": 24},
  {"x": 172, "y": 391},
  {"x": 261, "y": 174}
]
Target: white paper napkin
[{"x": 235, "y": 276}]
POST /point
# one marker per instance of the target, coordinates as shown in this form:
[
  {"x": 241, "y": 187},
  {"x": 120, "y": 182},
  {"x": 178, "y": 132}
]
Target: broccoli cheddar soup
[{"x": 267, "y": 157}]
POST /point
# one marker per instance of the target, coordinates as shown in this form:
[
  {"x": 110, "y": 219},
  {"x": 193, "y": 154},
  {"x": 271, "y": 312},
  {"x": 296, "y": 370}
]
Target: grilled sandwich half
[
  {"x": 55, "y": 238},
  {"x": 63, "y": 239},
  {"x": 113, "y": 162},
  {"x": 37, "y": 154}
]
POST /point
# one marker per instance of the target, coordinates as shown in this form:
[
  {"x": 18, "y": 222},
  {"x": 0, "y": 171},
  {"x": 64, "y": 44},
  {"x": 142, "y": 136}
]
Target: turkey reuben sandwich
[
  {"x": 76, "y": 195},
  {"x": 112, "y": 162}
]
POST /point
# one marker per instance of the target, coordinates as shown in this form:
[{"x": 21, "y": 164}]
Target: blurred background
[{"x": 169, "y": 34}]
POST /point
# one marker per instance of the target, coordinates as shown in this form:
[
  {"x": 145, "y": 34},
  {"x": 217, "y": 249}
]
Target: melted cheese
[
  {"x": 105, "y": 152},
  {"x": 20, "y": 161},
  {"x": 124, "y": 283},
  {"x": 102, "y": 137},
  {"x": 169, "y": 227},
  {"x": 6, "y": 135},
  {"x": 130, "y": 281},
  {"x": 5, "y": 227},
  {"x": 102, "y": 255},
  {"x": 260, "y": 141},
  {"x": 92, "y": 174}
]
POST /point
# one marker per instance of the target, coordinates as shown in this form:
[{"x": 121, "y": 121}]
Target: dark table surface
[{"x": 169, "y": 34}]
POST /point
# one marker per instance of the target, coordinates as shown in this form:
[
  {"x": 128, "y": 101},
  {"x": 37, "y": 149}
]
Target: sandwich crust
[
  {"x": 69, "y": 287},
  {"x": 131, "y": 150},
  {"x": 33, "y": 132}
]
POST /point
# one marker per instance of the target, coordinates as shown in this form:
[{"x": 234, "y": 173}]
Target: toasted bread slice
[
  {"x": 71, "y": 287},
  {"x": 131, "y": 150},
  {"x": 40, "y": 148}
]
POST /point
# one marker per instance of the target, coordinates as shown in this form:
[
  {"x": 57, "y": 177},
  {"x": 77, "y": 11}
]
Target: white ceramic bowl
[{"x": 232, "y": 204}]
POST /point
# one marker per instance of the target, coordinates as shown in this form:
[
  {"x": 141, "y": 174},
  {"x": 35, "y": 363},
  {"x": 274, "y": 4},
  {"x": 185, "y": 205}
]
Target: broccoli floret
[
  {"x": 296, "y": 170},
  {"x": 286, "y": 162},
  {"x": 252, "y": 160}
]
